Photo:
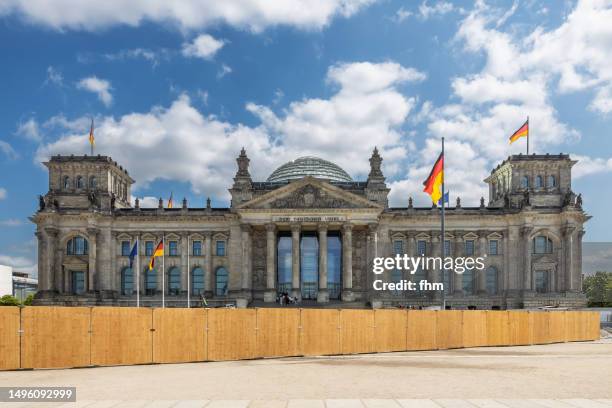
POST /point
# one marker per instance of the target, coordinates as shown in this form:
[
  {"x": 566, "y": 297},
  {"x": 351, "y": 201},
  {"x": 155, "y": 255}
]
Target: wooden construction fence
[{"x": 61, "y": 337}]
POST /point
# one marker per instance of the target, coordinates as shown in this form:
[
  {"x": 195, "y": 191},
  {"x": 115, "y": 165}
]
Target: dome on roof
[{"x": 309, "y": 166}]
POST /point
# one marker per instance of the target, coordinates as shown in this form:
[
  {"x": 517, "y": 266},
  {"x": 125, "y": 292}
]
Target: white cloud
[
  {"x": 223, "y": 71},
  {"x": 203, "y": 46},
  {"x": 254, "y": 15},
  {"x": 401, "y": 14},
  {"x": 3, "y": 193},
  {"x": 440, "y": 8},
  {"x": 54, "y": 76},
  {"x": 11, "y": 222},
  {"x": 100, "y": 87},
  {"x": 145, "y": 202},
  {"x": 588, "y": 165},
  {"x": 8, "y": 150},
  {"x": 185, "y": 144},
  {"x": 20, "y": 264},
  {"x": 29, "y": 130}
]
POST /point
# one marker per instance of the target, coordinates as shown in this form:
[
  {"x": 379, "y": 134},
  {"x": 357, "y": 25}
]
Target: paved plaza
[{"x": 555, "y": 375}]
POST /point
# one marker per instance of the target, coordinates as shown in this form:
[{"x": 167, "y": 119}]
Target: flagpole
[
  {"x": 163, "y": 270},
  {"x": 442, "y": 235},
  {"x": 188, "y": 270},
  {"x": 527, "y": 135},
  {"x": 137, "y": 271}
]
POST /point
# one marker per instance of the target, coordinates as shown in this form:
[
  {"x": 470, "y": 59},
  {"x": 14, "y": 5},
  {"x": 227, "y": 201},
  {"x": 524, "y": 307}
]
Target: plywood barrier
[
  {"x": 498, "y": 331},
  {"x": 520, "y": 330},
  {"x": 474, "y": 328},
  {"x": 9, "y": 337},
  {"x": 389, "y": 330},
  {"x": 421, "y": 330},
  {"x": 557, "y": 326},
  {"x": 541, "y": 327},
  {"x": 179, "y": 335},
  {"x": 231, "y": 334},
  {"x": 278, "y": 332},
  {"x": 593, "y": 326},
  {"x": 320, "y": 332},
  {"x": 55, "y": 337},
  {"x": 121, "y": 335},
  {"x": 449, "y": 331},
  {"x": 356, "y": 331}
]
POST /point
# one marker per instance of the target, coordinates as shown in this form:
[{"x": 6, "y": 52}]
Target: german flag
[
  {"x": 170, "y": 202},
  {"x": 92, "y": 139},
  {"x": 433, "y": 184},
  {"x": 159, "y": 251},
  {"x": 522, "y": 132}
]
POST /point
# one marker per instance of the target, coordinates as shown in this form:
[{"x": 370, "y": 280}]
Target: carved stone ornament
[{"x": 311, "y": 197}]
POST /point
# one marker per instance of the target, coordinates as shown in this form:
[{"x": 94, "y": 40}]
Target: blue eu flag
[
  {"x": 133, "y": 254},
  {"x": 445, "y": 198}
]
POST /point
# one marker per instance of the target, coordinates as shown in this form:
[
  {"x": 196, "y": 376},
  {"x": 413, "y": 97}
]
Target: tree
[
  {"x": 598, "y": 289},
  {"x": 28, "y": 301},
  {"x": 8, "y": 300}
]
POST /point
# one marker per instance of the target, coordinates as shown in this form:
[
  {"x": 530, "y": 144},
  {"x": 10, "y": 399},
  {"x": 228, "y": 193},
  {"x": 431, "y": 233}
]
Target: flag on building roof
[
  {"x": 159, "y": 251},
  {"x": 433, "y": 184},
  {"x": 170, "y": 202},
  {"x": 445, "y": 198},
  {"x": 523, "y": 131},
  {"x": 133, "y": 254},
  {"x": 92, "y": 139}
]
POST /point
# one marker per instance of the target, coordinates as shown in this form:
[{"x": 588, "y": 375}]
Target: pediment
[{"x": 309, "y": 193}]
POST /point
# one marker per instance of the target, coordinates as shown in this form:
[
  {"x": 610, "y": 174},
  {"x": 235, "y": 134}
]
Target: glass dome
[{"x": 309, "y": 166}]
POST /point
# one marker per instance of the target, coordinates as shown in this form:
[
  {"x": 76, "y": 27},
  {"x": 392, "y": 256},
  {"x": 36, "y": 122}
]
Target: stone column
[
  {"x": 577, "y": 267},
  {"x": 93, "y": 276},
  {"x": 54, "y": 273},
  {"x": 372, "y": 252},
  {"x": 270, "y": 293},
  {"x": 209, "y": 274},
  {"x": 162, "y": 285},
  {"x": 247, "y": 279},
  {"x": 323, "y": 294},
  {"x": 567, "y": 258},
  {"x": 184, "y": 248},
  {"x": 347, "y": 263},
  {"x": 43, "y": 270},
  {"x": 458, "y": 250},
  {"x": 527, "y": 273},
  {"x": 295, "y": 260},
  {"x": 482, "y": 275}
]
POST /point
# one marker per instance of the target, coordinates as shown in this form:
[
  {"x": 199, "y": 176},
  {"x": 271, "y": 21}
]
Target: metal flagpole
[
  {"x": 163, "y": 270},
  {"x": 443, "y": 246},
  {"x": 528, "y": 135},
  {"x": 188, "y": 270},
  {"x": 137, "y": 271}
]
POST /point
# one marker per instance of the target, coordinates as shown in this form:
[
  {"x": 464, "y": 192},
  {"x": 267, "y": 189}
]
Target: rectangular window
[
  {"x": 447, "y": 248},
  {"x": 149, "y": 248},
  {"x": 493, "y": 250},
  {"x": 421, "y": 247},
  {"x": 196, "y": 248},
  {"x": 541, "y": 282},
  {"x": 220, "y": 248},
  {"x": 398, "y": 247},
  {"x": 469, "y": 247},
  {"x": 173, "y": 248},
  {"x": 78, "y": 283},
  {"x": 125, "y": 248}
]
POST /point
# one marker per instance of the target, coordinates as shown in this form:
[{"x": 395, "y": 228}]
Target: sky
[{"x": 177, "y": 88}]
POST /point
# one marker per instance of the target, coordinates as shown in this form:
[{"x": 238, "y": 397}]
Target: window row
[
  {"x": 80, "y": 182},
  {"x": 173, "y": 248},
  {"x": 468, "y": 247},
  {"x": 538, "y": 182},
  {"x": 173, "y": 282}
]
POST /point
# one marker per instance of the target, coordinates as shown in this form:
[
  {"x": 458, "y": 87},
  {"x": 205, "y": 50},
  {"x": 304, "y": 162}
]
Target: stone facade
[{"x": 530, "y": 234}]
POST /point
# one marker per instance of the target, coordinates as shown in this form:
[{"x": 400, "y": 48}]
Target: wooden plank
[
  {"x": 320, "y": 332},
  {"x": 541, "y": 327},
  {"x": 421, "y": 330},
  {"x": 474, "y": 328},
  {"x": 55, "y": 337},
  {"x": 278, "y": 332},
  {"x": 449, "y": 332},
  {"x": 121, "y": 336},
  {"x": 231, "y": 334},
  {"x": 389, "y": 330},
  {"x": 9, "y": 337},
  {"x": 356, "y": 331},
  {"x": 498, "y": 331},
  {"x": 593, "y": 331},
  {"x": 519, "y": 328},
  {"x": 179, "y": 336},
  {"x": 557, "y": 326}
]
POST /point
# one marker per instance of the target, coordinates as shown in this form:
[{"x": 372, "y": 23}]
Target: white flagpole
[
  {"x": 164, "y": 271},
  {"x": 188, "y": 271},
  {"x": 137, "y": 271}
]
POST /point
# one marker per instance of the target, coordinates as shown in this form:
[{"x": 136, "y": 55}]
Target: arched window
[
  {"x": 93, "y": 182},
  {"x": 150, "y": 281},
  {"x": 552, "y": 182},
  {"x": 77, "y": 246},
  {"x": 525, "y": 182},
  {"x": 174, "y": 281},
  {"x": 197, "y": 281},
  {"x": 468, "y": 282},
  {"x": 538, "y": 182},
  {"x": 66, "y": 183},
  {"x": 221, "y": 282},
  {"x": 542, "y": 245},
  {"x": 127, "y": 282},
  {"x": 79, "y": 183},
  {"x": 491, "y": 280}
]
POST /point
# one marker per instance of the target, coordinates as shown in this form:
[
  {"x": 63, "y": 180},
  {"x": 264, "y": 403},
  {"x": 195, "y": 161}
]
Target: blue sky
[{"x": 176, "y": 90}]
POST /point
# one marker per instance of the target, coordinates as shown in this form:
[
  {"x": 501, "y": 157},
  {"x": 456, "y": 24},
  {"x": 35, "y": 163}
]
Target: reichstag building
[{"x": 310, "y": 231}]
